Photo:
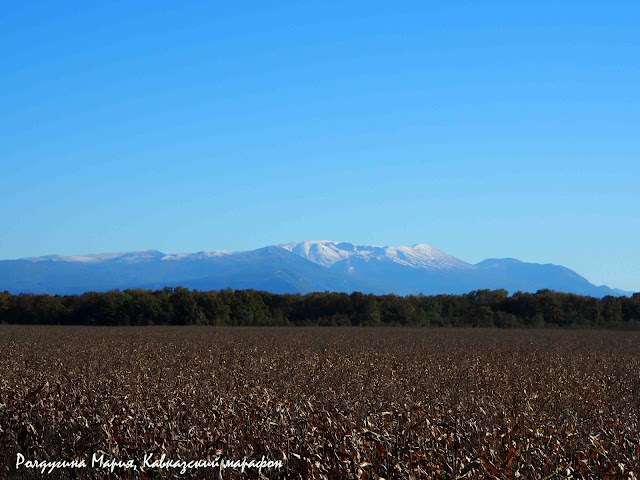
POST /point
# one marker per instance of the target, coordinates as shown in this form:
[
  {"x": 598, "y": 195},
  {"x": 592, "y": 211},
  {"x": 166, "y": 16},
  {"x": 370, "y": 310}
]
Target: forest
[{"x": 182, "y": 306}]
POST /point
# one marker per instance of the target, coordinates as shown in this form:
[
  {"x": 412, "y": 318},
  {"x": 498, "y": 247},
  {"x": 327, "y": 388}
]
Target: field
[{"x": 328, "y": 403}]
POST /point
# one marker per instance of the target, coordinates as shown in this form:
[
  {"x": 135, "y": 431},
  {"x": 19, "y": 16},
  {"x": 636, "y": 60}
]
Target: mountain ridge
[{"x": 295, "y": 267}]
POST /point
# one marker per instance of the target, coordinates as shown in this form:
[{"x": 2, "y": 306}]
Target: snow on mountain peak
[
  {"x": 327, "y": 253},
  {"x": 129, "y": 257},
  {"x": 87, "y": 258},
  {"x": 323, "y": 252}
]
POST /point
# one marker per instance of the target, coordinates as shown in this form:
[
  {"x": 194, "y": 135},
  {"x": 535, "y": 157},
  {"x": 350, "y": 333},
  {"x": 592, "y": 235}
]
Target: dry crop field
[{"x": 329, "y": 403}]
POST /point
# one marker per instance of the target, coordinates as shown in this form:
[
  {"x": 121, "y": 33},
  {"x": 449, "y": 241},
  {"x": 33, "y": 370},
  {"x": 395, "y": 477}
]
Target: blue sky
[{"x": 486, "y": 129}]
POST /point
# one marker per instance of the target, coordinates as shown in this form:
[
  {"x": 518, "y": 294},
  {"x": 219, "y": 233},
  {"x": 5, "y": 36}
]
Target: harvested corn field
[{"x": 328, "y": 403}]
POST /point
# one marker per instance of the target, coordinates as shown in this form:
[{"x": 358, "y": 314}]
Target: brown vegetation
[{"x": 331, "y": 403}]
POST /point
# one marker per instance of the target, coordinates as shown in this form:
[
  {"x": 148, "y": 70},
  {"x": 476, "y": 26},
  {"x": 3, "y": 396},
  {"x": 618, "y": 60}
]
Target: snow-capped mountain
[
  {"x": 297, "y": 267},
  {"x": 327, "y": 253}
]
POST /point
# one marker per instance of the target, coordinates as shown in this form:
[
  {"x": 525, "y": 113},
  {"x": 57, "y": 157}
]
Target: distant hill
[{"x": 298, "y": 267}]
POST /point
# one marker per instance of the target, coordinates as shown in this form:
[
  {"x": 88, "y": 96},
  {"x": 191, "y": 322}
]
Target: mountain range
[{"x": 298, "y": 267}]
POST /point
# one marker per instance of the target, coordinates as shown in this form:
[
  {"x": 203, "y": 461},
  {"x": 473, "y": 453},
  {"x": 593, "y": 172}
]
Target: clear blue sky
[{"x": 486, "y": 129}]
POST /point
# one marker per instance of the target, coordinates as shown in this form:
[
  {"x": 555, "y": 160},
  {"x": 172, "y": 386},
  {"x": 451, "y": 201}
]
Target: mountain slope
[{"x": 530, "y": 277}]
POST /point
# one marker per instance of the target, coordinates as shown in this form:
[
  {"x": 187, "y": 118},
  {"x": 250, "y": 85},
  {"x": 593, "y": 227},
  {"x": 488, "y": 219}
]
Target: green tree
[{"x": 185, "y": 309}]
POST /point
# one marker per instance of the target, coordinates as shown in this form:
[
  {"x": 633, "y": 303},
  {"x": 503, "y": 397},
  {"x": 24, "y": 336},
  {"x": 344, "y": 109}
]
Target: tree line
[{"x": 181, "y": 306}]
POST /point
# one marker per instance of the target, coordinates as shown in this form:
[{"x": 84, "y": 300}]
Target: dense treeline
[{"x": 181, "y": 306}]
